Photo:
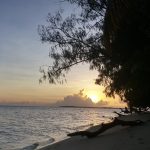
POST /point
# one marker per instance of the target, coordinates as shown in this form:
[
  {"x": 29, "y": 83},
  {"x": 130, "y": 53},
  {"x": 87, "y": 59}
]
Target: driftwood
[
  {"x": 119, "y": 114},
  {"x": 125, "y": 110},
  {"x": 106, "y": 126}
]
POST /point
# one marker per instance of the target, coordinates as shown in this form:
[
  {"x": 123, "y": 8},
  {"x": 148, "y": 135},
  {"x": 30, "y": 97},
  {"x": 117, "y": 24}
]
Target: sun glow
[
  {"x": 94, "y": 98},
  {"x": 93, "y": 95}
]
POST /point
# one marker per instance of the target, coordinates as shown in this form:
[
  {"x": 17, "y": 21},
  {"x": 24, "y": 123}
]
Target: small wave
[
  {"x": 37, "y": 145},
  {"x": 83, "y": 126},
  {"x": 31, "y": 147},
  {"x": 46, "y": 142}
]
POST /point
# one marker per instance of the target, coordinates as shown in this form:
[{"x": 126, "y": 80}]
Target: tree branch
[{"x": 63, "y": 68}]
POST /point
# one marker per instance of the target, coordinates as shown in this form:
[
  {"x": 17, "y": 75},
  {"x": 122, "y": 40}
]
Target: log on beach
[{"x": 106, "y": 126}]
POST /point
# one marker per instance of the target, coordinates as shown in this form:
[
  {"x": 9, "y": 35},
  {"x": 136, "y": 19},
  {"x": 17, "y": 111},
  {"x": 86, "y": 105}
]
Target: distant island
[{"x": 90, "y": 107}]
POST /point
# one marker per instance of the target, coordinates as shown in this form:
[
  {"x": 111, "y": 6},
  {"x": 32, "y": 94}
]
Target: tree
[
  {"x": 113, "y": 37},
  {"x": 127, "y": 37}
]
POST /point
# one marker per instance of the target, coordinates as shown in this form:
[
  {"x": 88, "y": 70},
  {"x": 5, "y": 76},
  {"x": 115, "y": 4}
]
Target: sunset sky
[{"x": 22, "y": 53}]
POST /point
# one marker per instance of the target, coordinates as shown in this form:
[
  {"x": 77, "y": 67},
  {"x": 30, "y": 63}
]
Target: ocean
[{"x": 30, "y": 127}]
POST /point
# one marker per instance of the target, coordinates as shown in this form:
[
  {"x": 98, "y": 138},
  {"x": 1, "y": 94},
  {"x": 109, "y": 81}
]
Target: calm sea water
[{"x": 21, "y": 127}]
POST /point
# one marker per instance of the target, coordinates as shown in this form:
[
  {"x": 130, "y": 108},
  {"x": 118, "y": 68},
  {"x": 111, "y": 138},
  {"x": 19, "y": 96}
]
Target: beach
[{"x": 116, "y": 138}]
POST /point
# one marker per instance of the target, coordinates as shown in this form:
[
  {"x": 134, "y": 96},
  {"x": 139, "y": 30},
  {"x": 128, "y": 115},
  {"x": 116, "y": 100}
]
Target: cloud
[{"x": 79, "y": 100}]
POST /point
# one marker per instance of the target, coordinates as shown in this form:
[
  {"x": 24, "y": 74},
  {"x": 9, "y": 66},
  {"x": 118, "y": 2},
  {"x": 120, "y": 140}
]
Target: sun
[
  {"x": 94, "y": 98},
  {"x": 94, "y": 95}
]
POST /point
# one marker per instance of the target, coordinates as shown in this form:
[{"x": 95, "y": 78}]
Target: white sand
[{"x": 117, "y": 138}]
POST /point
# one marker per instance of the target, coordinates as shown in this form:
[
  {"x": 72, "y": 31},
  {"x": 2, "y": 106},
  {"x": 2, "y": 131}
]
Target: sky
[{"x": 22, "y": 54}]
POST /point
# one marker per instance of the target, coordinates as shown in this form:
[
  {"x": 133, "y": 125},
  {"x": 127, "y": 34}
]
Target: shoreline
[{"x": 116, "y": 138}]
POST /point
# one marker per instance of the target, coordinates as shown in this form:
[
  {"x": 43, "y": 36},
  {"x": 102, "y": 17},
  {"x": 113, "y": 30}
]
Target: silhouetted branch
[{"x": 73, "y": 64}]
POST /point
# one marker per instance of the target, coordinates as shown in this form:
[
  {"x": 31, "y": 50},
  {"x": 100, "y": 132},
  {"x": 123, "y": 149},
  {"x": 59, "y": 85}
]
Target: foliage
[
  {"x": 127, "y": 38},
  {"x": 113, "y": 37}
]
